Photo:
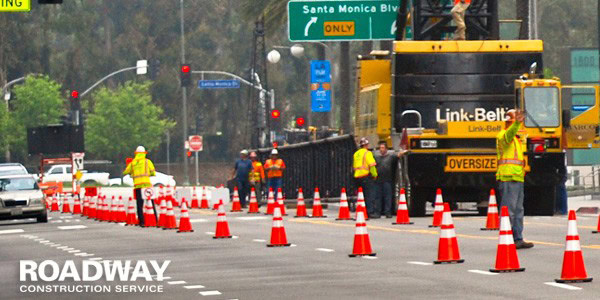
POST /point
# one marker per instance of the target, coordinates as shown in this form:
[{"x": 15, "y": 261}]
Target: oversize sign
[
  {"x": 15, "y": 5},
  {"x": 475, "y": 163},
  {"x": 320, "y": 85},
  {"x": 342, "y": 20}
]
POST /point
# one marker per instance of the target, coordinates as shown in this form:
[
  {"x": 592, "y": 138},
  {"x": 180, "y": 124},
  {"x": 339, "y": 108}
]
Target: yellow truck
[{"x": 444, "y": 102}]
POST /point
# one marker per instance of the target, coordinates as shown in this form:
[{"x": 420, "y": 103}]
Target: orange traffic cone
[
  {"x": 301, "y": 206},
  {"x": 92, "y": 209},
  {"x": 99, "y": 208},
  {"x": 184, "y": 220},
  {"x": 66, "y": 207},
  {"x": 222, "y": 230},
  {"x": 280, "y": 201},
  {"x": 362, "y": 243},
  {"x": 195, "y": 202},
  {"x": 235, "y": 205},
  {"x": 317, "y": 209},
  {"x": 86, "y": 206},
  {"x": 278, "y": 236},
  {"x": 54, "y": 206},
  {"x": 171, "y": 220},
  {"x": 76, "y": 205},
  {"x": 149, "y": 216},
  {"x": 122, "y": 215},
  {"x": 402, "y": 217},
  {"x": 506, "y": 256},
  {"x": 360, "y": 204},
  {"x": 573, "y": 269},
  {"x": 253, "y": 206},
  {"x": 448, "y": 252},
  {"x": 162, "y": 215},
  {"x": 270, "y": 202},
  {"x": 105, "y": 212},
  {"x": 114, "y": 209},
  {"x": 131, "y": 214},
  {"x": 438, "y": 210},
  {"x": 344, "y": 213},
  {"x": 204, "y": 200},
  {"x": 492, "y": 214},
  {"x": 598, "y": 228}
]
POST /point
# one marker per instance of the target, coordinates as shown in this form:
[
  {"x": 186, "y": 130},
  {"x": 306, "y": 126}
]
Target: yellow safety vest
[
  {"x": 364, "y": 162},
  {"x": 509, "y": 149},
  {"x": 140, "y": 169}
]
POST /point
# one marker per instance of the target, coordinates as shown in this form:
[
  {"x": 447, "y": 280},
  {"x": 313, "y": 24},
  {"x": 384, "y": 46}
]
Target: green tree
[
  {"x": 37, "y": 102},
  {"x": 122, "y": 119}
]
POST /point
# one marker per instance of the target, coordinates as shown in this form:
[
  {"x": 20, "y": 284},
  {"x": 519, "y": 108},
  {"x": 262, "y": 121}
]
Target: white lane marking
[
  {"x": 72, "y": 227},
  {"x": 39, "y": 239},
  {"x": 68, "y": 249},
  {"x": 482, "y": 272},
  {"x": 252, "y": 218},
  {"x": 564, "y": 286},
  {"x": 62, "y": 247},
  {"x": 210, "y": 293},
  {"x": 369, "y": 257},
  {"x": 66, "y": 217},
  {"x": 198, "y": 221},
  {"x": 419, "y": 263},
  {"x": 164, "y": 277},
  {"x": 31, "y": 236},
  {"x": 123, "y": 224},
  {"x": 50, "y": 218},
  {"x": 75, "y": 251},
  {"x": 209, "y": 232},
  {"x": 235, "y": 237},
  {"x": 56, "y": 221},
  {"x": 96, "y": 258},
  {"x": 7, "y": 231},
  {"x": 325, "y": 250},
  {"x": 176, "y": 282},
  {"x": 44, "y": 242},
  {"x": 55, "y": 245},
  {"x": 258, "y": 240},
  {"x": 293, "y": 245},
  {"x": 80, "y": 254},
  {"x": 88, "y": 254},
  {"x": 189, "y": 287}
]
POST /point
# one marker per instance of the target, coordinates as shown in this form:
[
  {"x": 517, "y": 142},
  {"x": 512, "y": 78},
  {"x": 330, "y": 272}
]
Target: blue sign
[
  {"x": 219, "y": 84},
  {"x": 580, "y": 107},
  {"x": 320, "y": 85}
]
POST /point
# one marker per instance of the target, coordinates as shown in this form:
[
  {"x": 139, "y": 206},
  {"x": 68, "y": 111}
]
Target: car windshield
[
  {"x": 12, "y": 171},
  {"x": 541, "y": 104},
  {"x": 17, "y": 184}
]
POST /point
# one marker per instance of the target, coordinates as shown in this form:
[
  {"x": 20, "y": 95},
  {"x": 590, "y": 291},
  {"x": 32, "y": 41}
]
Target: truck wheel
[
  {"x": 417, "y": 200},
  {"x": 43, "y": 218}
]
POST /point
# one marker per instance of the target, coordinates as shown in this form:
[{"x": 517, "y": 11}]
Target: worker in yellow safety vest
[
  {"x": 365, "y": 174},
  {"x": 140, "y": 169},
  {"x": 257, "y": 176},
  {"x": 511, "y": 173}
]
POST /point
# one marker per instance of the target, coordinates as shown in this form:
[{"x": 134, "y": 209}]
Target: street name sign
[
  {"x": 219, "y": 84},
  {"x": 342, "y": 20}
]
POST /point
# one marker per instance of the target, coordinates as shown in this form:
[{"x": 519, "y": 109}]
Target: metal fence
[{"x": 325, "y": 163}]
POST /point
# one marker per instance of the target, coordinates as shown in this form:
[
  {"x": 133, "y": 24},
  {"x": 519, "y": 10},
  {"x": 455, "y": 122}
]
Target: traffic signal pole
[{"x": 186, "y": 180}]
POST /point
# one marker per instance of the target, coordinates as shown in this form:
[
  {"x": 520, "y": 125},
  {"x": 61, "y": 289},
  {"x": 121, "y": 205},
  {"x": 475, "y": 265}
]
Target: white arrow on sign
[
  {"x": 312, "y": 21},
  {"x": 393, "y": 29}
]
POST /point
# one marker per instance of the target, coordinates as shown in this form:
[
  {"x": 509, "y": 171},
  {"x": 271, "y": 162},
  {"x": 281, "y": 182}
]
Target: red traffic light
[
  {"x": 300, "y": 121},
  {"x": 275, "y": 114},
  {"x": 185, "y": 68},
  {"x": 74, "y": 94}
]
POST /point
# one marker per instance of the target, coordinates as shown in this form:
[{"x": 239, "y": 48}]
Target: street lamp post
[{"x": 186, "y": 180}]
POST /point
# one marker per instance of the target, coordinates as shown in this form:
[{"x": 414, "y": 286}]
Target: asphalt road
[{"x": 317, "y": 266}]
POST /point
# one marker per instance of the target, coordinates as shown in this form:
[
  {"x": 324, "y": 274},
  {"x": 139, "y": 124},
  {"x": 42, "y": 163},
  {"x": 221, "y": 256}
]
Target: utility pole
[{"x": 186, "y": 179}]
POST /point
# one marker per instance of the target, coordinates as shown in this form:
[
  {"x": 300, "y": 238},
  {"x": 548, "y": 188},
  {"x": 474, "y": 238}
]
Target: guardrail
[{"x": 325, "y": 163}]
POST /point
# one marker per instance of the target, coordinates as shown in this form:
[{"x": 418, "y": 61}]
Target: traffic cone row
[
  {"x": 301, "y": 206},
  {"x": 402, "y": 217},
  {"x": 253, "y": 206},
  {"x": 317, "y": 209}
]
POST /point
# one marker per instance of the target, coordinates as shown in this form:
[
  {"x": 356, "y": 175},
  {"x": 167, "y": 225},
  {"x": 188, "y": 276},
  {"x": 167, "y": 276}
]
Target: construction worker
[
  {"x": 274, "y": 167},
  {"x": 511, "y": 173},
  {"x": 458, "y": 15},
  {"x": 241, "y": 173},
  {"x": 140, "y": 169},
  {"x": 257, "y": 176},
  {"x": 365, "y": 174},
  {"x": 387, "y": 163}
]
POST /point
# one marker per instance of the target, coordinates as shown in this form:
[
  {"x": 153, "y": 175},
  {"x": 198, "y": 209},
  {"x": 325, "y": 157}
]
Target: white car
[
  {"x": 62, "y": 173},
  {"x": 158, "y": 180}
]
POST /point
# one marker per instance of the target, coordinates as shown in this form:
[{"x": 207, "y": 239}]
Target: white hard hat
[
  {"x": 140, "y": 149},
  {"x": 244, "y": 152},
  {"x": 274, "y": 152}
]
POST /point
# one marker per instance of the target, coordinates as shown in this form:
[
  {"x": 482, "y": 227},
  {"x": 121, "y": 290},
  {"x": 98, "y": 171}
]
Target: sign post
[
  {"x": 196, "y": 145},
  {"x": 342, "y": 20}
]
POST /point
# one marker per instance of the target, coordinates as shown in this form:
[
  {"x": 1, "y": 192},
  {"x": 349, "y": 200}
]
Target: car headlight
[
  {"x": 429, "y": 144},
  {"x": 35, "y": 201}
]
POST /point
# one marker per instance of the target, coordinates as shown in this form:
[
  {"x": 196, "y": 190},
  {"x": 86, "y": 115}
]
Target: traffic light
[
  {"x": 154, "y": 68},
  {"x": 199, "y": 123},
  {"x": 75, "y": 104},
  {"x": 275, "y": 114},
  {"x": 300, "y": 122},
  {"x": 186, "y": 75},
  {"x": 275, "y": 119}
]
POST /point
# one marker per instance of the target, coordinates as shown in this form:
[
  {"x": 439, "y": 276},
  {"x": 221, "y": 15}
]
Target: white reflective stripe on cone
[
  {"x": 493, "y": 199},
  {"x": 447, "y": 233},
  {"x": 439, "y": 207},
  {"x": 573, "y": 245},
  {"x": 221, "y": 218},
  {"x": 403, "y": 206},
  {"x": 300, "y": 202},
  {"x": 277, "y": 223},
  {"x": 344, "y": 204},
  {"x": 361, "y": 230},
  {"x": 572, "y": 228},
  {"x": 447, "y": 218},
  {"x": 506, "y": 239},
  {"x": 505, "y": 224},
  {"x": 493, "y": 209}
]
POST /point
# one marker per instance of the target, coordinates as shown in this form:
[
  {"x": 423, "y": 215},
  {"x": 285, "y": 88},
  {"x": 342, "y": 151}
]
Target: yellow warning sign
[
  {"x": 15, "y": 5},
  {"x": 339, "y": 28}
]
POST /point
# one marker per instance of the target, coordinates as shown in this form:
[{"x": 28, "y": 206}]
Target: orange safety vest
[{"x": 275, "y": 173}]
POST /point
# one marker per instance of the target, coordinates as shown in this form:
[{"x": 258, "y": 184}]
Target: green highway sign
[{"x": 342, "y": 20}]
